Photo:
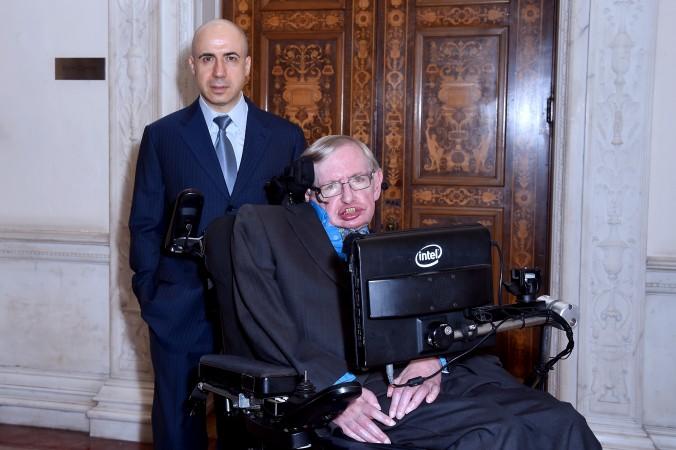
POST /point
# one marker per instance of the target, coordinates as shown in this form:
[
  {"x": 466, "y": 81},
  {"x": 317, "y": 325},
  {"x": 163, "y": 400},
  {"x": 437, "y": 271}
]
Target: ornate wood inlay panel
[
  {"x": 394, "y": 113},
  {"x": 302, "y": 82},
  {"x": 301, "y": 4},
  {"x": 462, "y": 15},
  {"x": 459, "y": 196},
  {"x": 303, "y": 21},
  {"x": 302, "y": 59},
  {"x": 460, "y": 91},
  {"x": 529, "y": 138},
  {"x": 449, "y": 94},
  {"x": 362, "y": 92},
  {"x": 491, "y": 218},
  {"x": 243, "y": 16}
]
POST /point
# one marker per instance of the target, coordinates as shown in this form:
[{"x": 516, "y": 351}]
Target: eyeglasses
[{"x": 356, "y": 182}]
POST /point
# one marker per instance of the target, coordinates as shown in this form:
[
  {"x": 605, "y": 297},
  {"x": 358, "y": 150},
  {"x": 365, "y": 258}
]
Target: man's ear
[
  {"x": 247, "y": 65},
  {"x": 191, "y": 64},
  {"x": 378, "y": 184}
]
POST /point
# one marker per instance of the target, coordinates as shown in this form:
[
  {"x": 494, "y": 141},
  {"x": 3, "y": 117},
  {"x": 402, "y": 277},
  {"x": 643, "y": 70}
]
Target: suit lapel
[
  {"x": 196, "y": 135},
  {"x": 312, "y": 235},
  {"x": 255, "y": 140}
]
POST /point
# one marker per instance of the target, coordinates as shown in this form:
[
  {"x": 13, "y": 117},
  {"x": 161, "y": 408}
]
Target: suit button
[{"x": 229, "y": 209}]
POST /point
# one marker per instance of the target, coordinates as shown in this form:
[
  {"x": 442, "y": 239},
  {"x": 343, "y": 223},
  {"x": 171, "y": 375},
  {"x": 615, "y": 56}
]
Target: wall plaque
[{"x": 79, "y": 68}]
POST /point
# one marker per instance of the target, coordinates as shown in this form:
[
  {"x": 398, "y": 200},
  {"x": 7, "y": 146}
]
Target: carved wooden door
[{"x": 451, "y": 95}]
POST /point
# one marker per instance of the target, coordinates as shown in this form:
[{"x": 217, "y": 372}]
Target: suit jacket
[
  {"x": 292, "y": 296},
  {"x": 176, "y": 153},
  {"x": 290, "y": 291}
]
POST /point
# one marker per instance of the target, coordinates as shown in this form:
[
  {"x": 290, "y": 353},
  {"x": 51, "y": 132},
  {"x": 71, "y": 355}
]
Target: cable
[
  {"x": 523, "y": 313},
  {"x": 497, "y": 246},
  {"x": 541, "y": 370}
]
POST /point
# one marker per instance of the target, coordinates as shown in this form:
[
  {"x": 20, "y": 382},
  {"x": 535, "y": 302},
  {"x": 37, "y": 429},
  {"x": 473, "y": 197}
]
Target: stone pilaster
[
  {"x": 604, "y": 108},
  {"x": 149, "y": 40}
]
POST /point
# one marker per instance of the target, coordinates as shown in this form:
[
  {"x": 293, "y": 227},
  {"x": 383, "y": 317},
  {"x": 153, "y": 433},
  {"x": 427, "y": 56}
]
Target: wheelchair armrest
[
  {"x": 252, "y": 377},
  {"x": 279, "y": 407},
  {"x": 320, "y": 408}
]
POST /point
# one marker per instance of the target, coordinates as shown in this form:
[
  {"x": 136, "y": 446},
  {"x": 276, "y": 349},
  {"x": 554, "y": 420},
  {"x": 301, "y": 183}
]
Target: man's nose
[
  {"x": 346, "y": 195},
  {"x": 219, "y": 68}
]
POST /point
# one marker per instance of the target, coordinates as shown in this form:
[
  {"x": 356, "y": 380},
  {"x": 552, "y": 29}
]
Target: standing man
[{"x": 227, "y": 148}]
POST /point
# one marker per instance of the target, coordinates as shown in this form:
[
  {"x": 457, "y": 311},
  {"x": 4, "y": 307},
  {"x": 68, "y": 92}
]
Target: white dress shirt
[{"x": 236, "y": 131}]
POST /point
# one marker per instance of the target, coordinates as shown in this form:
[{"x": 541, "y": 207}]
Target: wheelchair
[{"x": 274, "y": 407}]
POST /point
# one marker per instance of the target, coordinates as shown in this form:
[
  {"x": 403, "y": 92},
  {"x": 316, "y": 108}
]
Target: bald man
[{"x": 228, "y": 159}]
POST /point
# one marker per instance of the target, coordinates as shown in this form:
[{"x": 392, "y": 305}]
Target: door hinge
[{"x": 550, "y": 110}]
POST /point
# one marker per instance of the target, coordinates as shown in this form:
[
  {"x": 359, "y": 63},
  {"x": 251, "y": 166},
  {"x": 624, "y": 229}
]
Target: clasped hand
[{"x": 357, "y": 421}]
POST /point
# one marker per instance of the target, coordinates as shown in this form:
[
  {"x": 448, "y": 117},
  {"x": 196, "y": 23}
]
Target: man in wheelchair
[{"x": 292, "y": 297}]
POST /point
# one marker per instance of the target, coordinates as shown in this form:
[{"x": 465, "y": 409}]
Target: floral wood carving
[
  {"x": 445, "y": 16},
  {"x": 460, "y": 196},
  {"x": 394, "y": 112},
  {"x": 363, "y": 36},
  {"x": 243, "y": 16},
  {"x": 459, "y": 99},
  {"x": 303, "y": 21},
  {"x": 303, "y": 84},
  {"x": 529, "y": 37}
]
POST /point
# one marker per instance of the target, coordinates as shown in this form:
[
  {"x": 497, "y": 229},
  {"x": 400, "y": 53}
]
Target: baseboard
[
  {"x": 107, "y": 408},
  {"x": 47, "y": 399},
  {"x": 663, "y": 437},
  {"x": 122, "y": 411},
  {"x": 623, "y": 435}
]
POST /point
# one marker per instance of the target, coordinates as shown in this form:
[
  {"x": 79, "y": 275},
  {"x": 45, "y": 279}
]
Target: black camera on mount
[{"x": 525, "y": 284}]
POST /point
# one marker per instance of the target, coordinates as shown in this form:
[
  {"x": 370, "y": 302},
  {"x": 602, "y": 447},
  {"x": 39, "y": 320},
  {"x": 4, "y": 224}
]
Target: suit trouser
[
  {"x": 481, "y": 406},
  {"x": 175, "y": 378}
]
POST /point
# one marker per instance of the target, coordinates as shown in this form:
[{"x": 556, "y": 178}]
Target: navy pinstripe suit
[{"x": 177, "y": 153}]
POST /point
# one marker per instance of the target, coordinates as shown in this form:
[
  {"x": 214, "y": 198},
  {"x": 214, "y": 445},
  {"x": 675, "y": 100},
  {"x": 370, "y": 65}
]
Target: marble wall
[
  {"x": 604, "y": 148},
  {"x": 73, "y": 350}
]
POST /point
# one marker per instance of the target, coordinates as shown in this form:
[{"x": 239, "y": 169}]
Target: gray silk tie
[{"x": 225, "y": 152}]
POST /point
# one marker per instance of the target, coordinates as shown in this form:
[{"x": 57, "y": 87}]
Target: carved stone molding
[
  {"x": 134, "y": 60},
  {"x": 616, "y": 198},
  {"x": 600, "y": 188},
  {"x": 148, "y": 46},
  {"x": 84, "y": 248},
  {"x": 661, "y": 276}
]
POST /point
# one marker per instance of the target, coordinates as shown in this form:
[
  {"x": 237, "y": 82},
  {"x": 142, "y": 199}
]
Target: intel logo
[{"x": 428, "y": 256}]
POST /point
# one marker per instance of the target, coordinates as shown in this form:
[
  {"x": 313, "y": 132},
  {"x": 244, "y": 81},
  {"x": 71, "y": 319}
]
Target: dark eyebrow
[{"x": 211, "y": 54}]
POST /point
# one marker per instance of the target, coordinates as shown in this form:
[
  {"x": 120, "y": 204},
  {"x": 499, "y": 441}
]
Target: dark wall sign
[{"x": 79, "y": 68}]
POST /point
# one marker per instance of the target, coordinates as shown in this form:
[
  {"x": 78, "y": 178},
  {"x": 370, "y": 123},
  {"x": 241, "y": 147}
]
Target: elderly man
[
  {"x": 226, "y": 147},
  {"x": 292, "y": 298}
]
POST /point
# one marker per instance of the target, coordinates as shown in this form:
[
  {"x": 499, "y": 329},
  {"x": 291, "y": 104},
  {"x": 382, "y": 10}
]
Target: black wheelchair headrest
[{"x": 290, "y": 187}]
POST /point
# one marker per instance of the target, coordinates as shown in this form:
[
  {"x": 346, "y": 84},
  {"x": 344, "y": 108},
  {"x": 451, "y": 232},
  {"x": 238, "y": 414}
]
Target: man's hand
[
  {"x": 406, "y": 399},
  {"x": 357, "y": 419}
]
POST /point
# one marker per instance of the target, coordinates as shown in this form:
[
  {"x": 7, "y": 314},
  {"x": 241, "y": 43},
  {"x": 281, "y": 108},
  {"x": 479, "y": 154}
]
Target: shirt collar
[
  {"x": 238, "y": 113},
  {"x": 335, "y": 234}
]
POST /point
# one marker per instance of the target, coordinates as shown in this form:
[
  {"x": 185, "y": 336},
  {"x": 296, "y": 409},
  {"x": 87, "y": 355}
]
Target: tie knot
[{"x": 223, "y": 121}]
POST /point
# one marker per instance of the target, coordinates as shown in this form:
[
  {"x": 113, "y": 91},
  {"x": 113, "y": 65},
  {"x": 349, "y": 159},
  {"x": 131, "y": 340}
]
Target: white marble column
[
  {"x": 149, "y": 44},
  {"x": 603, "y": 124}
]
